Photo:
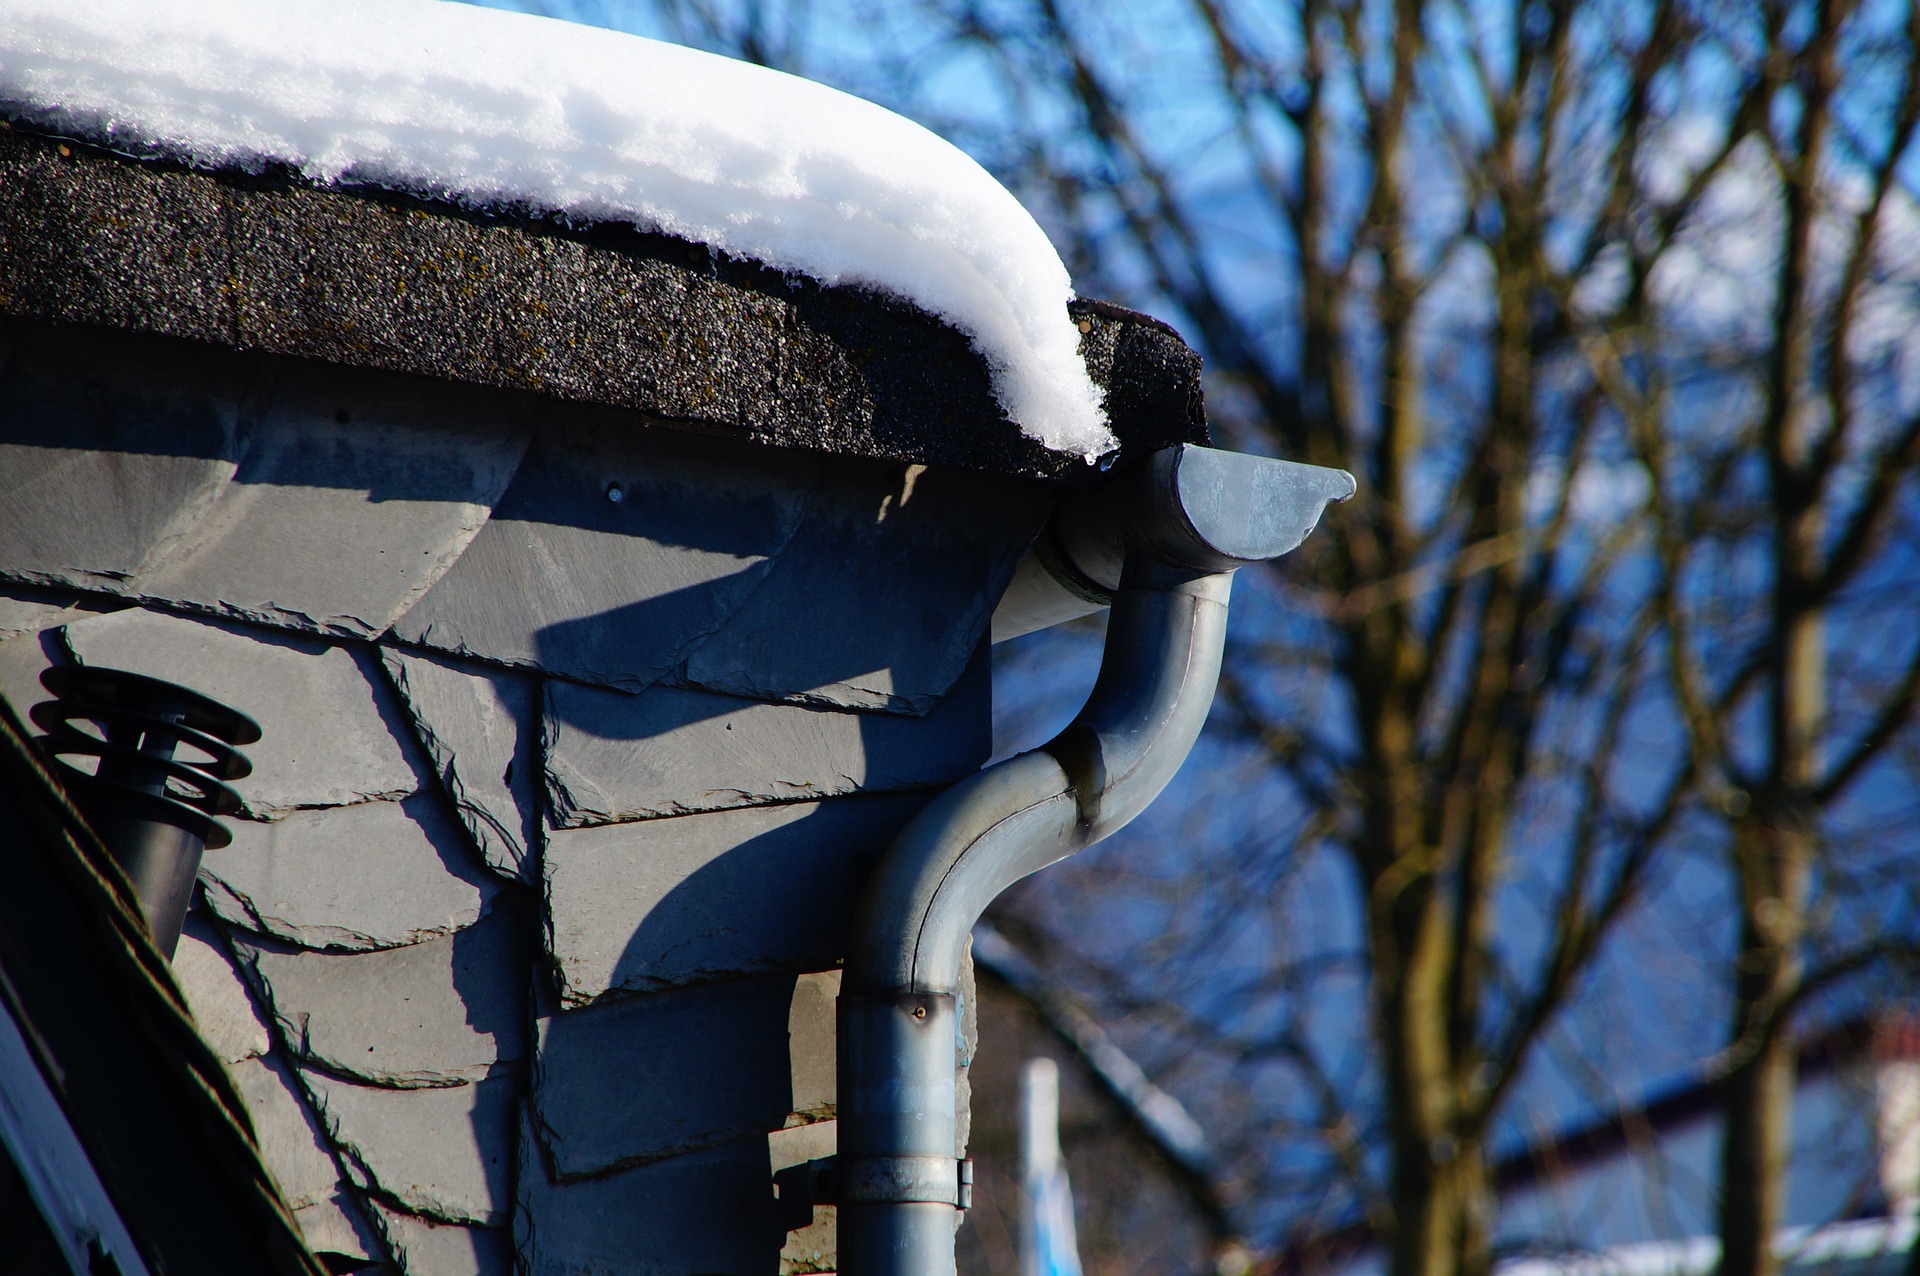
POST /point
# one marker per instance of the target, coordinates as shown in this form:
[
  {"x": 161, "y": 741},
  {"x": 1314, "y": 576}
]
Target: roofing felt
[{"x": 604, "y": 315}]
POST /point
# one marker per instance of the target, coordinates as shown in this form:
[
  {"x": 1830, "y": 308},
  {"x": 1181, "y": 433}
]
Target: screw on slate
[{"x": 616, "y": 493}]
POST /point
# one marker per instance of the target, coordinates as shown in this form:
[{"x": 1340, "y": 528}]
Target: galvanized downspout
[{"x": 1190, "y": 517}]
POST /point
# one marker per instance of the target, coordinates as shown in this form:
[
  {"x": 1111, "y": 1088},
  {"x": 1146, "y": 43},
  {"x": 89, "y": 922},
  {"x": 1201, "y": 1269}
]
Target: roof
[
  {"x": 603, "y": 314},
  {"x": 492, "y": 109}
]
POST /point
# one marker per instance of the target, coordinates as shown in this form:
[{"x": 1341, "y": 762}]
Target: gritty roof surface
[
  {"x": 490, "y": 110},
  {"x": 606, "y": 314}
]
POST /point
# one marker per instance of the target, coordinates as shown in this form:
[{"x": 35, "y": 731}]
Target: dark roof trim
[
  {"x": 51, "y": 1164},
  {"x": 604, "y": 314},
  {"x": 159, "y": 1117}
]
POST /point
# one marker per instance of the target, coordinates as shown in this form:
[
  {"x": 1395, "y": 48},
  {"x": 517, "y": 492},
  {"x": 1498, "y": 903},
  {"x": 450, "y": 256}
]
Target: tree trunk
[
  {"x": 1759, "y": 1093},
  {"x": 1441, "y": 1193},
  {"x": 1774, "y": 847}
]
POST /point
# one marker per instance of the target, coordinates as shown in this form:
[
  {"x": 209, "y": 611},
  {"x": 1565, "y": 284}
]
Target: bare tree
[
  {"x": 1810, "y": 473},
  {"x": 1606, "y": 307},
  {"x": 1494, "y": 223}
]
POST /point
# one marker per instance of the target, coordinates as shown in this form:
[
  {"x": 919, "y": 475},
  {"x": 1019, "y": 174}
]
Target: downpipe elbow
[{"x": 1191, "y": 517}]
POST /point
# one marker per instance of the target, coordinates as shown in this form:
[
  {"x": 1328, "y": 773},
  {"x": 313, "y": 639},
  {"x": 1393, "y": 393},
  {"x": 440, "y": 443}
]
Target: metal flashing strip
[{"x": 59, "y": 1176}]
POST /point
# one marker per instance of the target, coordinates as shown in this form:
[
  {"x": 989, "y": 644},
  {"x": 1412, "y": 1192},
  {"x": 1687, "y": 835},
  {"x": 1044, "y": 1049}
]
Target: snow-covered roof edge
[
  {"x": 606, "y": 316},
  {"x": 489, "y": 109}
]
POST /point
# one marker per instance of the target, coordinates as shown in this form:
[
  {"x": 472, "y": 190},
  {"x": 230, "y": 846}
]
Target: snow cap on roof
[{"x": 491, "y": 109}]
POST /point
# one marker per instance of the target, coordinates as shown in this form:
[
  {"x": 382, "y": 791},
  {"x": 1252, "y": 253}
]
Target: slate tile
[
  {"x": 882, "y": 597},
  {"x": 372, "y": 875},
  {"x": 28, "y": 609},
  {"x": 968, "y": 1046},
  {"x": 21, "y": 661},
  {"x": 290, "y": 1139},
  {"x": 356, "y": 492},
  {"x": 642, "y": 1078},
  {"x": 710, "y": 1213},
  {"x": 328, "y": 730},
  {"x": 611, "y": 756},
  {"x": 480, "y": 728},
  {"x": 567, "y": 579},
  {"x": 109, "y": 450},
  {"x": 446, "y": 1153},
  {"x": 652, "y": 904},
  {"x": 425, "y": 1248},
  {"x": 440, "y": 1012},
  {"x": 338, "y": 1225},
  {"x": 815, "y": 1247},
  {"x": 811, "y": 1046},
  {"x": 221, "y": 1005}
]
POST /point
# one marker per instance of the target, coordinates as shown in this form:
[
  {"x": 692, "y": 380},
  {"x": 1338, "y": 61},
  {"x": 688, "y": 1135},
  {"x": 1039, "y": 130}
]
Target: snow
[{"x": 492, "y": 109}]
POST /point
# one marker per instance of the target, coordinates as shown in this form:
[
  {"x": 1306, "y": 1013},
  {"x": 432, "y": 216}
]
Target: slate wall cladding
[
  {"x": 677, "y": 751},
  {"x": 350, "y": 503},
  {"x": 607, "y": 607},
  {"x": 471, "y": 720},
  {"x": 519, "y": 972}
]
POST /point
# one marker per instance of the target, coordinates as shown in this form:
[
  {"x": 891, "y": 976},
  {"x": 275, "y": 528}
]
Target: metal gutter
[{"x": 1187, "y": 518}]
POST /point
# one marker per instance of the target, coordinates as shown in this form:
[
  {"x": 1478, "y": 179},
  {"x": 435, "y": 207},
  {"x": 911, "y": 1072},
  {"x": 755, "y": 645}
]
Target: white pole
[{"x": 1047, "y": 1243}]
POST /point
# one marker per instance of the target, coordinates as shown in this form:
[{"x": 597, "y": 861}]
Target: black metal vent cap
[{"x": 142, "y": 728}]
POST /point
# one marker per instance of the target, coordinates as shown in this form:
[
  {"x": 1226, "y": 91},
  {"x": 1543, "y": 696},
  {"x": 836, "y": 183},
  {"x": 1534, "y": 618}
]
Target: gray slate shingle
[
  {"x": 612, "y": 757},
  {"x": 338, "y": 1224},
  {"x": 568, "y": 580},
  {"x": 353, "y": 496},
  {"x": 21, "y": 661},
  {"x": 884, "y": 594},
  {"x": 425, "y": 1248},
  {"x": 643, "y": 1078},
  {"x": 328, "y": 728},
  {"x": 480, "y": 727},
  {"x": 445, "y": 1153},
  {"x": 222, "y": 1007},
  {"x": 814, "y": 1247},
  {"x": 440, "y": 1012},
  {"x": 290, "y": 1139},
  {"x": 104, "y": 461},
  {"x": 633, "y": 1223},
  {"x": 295, "y": 1150},
  {"x": 28, "y": 609},
  {"x": 651, "y": 904},
  {"x": 371, "y": 875}
]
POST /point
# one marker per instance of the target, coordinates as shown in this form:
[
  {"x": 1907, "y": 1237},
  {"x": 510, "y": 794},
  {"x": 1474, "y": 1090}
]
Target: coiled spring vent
[{"x": 147, "y": 763}]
